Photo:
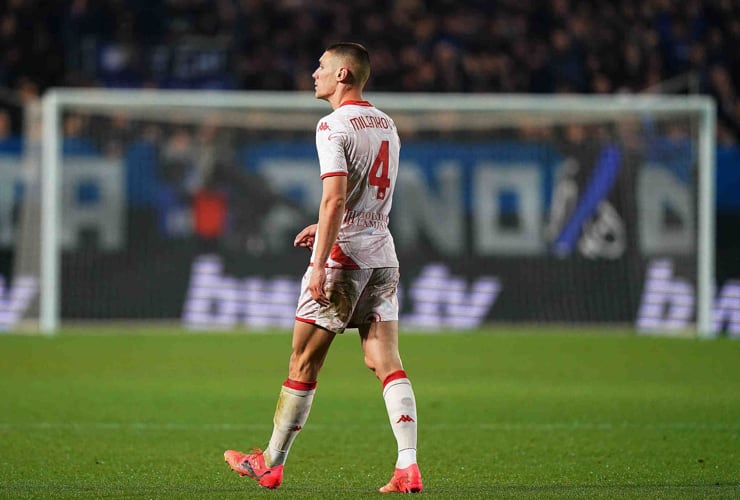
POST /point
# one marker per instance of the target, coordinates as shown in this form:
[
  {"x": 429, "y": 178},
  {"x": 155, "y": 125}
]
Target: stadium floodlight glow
[{"x": 493, "y": 183}]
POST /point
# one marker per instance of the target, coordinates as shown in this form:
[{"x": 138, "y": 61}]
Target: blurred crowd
[{"x": 512, "y": 46}]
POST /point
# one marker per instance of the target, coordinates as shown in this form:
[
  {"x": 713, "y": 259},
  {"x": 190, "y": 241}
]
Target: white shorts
[{"x": 358, "y": 297}]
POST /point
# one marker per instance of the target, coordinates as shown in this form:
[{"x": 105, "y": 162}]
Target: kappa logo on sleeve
[{"x": 323, "y": 126}]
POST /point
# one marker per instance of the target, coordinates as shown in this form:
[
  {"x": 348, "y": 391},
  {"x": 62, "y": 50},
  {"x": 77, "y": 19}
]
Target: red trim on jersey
[
  {"x": 394, "y": 376},
  {"x": 337, "y": 255},
  {"x": 299, "y": 386},
  {"x": 356, "y": 103},
  {"x": 334, "y": 174}
]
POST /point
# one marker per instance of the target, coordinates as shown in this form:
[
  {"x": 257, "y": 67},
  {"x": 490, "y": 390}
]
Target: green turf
[{"x": 505, "y": 414}]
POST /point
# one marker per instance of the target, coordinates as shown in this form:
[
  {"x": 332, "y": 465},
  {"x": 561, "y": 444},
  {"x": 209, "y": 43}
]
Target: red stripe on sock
[
  {"x": 299, "y": 386},
  {"x": 394, "y": 376}
]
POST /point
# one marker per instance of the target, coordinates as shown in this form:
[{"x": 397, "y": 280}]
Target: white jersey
[{"x": 361, "y": 142}]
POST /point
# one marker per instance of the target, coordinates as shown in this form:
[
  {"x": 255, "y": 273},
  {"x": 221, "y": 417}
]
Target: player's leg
[
  {"x": 378, "y": 305},
  {"x": 313, "y": 332},
  {"x": 310, "y": 347},
  {"x": 380, "y": 347}
]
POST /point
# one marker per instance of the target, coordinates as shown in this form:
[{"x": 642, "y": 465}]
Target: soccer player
[{"x": 352, "y": 277}]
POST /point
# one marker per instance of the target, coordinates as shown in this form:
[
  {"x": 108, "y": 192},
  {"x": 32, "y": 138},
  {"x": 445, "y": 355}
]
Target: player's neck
[{"x": 343, "y": 95}]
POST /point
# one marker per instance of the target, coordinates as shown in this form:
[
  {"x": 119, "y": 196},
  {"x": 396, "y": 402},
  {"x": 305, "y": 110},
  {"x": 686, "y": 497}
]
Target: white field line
[{"x": 502, "y": 426}]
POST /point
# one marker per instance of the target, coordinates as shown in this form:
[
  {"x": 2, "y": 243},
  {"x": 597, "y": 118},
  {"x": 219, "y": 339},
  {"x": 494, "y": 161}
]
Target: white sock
[
  {"x": 405, "y": 458},
  {"x": 291, "y": 414},
  {"x": 401, "y": 406}
]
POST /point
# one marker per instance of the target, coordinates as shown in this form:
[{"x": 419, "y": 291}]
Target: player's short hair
[{"x": 359, "y": 59}]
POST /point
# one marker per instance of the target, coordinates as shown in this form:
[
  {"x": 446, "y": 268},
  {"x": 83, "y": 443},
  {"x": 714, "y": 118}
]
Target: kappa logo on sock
[
  {"x": 296, "y": 428},
  {"x": 405, "y": 418}
]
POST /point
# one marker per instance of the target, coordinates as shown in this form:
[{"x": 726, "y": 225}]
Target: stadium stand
[{"x": 432, "y": 45}]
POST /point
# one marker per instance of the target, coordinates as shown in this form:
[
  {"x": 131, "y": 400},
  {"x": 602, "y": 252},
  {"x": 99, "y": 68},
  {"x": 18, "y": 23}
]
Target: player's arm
[{"x": 331, "y": 212}]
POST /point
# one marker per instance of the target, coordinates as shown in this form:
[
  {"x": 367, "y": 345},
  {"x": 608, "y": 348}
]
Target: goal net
[{"x": 182, "y": 207}]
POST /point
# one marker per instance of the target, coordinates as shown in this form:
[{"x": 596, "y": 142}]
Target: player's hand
[
  {"x": 306, "y": 237},
  {"x": 316, "y": 284}
]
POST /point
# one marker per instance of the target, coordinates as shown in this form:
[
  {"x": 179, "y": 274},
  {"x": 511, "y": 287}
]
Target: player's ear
[{"x": 344, "y": 75}]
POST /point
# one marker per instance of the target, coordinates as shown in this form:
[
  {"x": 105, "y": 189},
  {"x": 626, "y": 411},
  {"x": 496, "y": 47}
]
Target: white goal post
[{"x": 443, "y": 111}]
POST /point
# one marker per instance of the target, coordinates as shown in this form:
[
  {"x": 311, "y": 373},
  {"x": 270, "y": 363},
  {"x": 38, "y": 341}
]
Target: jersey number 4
[{"x": 379, "y": 171}]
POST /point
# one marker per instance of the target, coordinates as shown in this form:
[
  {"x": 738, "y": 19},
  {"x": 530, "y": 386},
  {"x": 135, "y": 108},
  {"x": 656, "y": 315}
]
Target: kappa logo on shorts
[
  {"x": 405, "y": 418},
  {"x": 323, "y": 126}
]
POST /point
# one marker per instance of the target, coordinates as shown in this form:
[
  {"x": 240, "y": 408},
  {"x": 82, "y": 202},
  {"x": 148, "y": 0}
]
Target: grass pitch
[{"x": 505, "y": 413}]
